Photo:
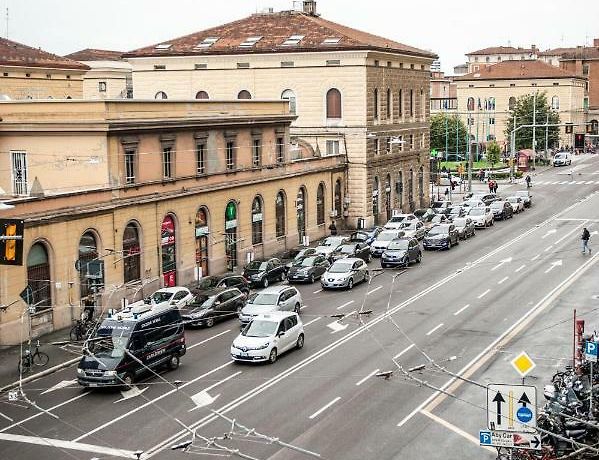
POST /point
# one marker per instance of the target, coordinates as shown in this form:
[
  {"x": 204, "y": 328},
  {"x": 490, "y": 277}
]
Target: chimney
[{"x": 310, "y": 7}]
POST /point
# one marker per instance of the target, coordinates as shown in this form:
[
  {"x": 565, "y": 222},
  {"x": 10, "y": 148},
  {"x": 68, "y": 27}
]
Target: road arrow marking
[
  {"x": 336, "y": 327},
  {"x": 60, "y": 386},
  {"x": 202, "y": 399},
  {"x": 503, "y": 262},
  {"x": 549, "y": 233},
  {"x": 130, "y": 393},
  {"x": 499, "y": 400},
  {"x": 557, "y": 263}
]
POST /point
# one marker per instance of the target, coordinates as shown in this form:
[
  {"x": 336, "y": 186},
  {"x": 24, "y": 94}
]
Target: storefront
[{"x": 169, "y": 252}]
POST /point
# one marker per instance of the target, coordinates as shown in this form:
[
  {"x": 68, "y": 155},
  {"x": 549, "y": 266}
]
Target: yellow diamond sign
[{"x": 523, "y": 364}]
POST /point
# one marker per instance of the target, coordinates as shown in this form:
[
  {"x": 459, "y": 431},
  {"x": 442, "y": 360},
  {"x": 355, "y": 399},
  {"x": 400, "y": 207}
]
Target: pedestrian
[
  {"x": 528, "y": 181},
  {"x": 333, "y": 228},
  {"x": 571, "y": 174},
  {"x": 490, "y": 184},
  {"x": 447, "y": 193},
  {"x": 481, "y": 175},
  {"x": 495, "y": 187},
  {"x": 586, "y": 236}
]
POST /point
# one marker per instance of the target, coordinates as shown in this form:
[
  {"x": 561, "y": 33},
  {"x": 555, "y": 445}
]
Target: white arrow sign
[
  {"x": 549, "y": 232},
  {"x": 336, "y": 327},
  {"x": 596, "y": 232},
  {"x": 557, "y": 263},
  {"x": 202, "y": 399},
  {"x": 503, "y": 262},
  {"x": 130, "y": 393},
  {"x": 60, "y": 386}
]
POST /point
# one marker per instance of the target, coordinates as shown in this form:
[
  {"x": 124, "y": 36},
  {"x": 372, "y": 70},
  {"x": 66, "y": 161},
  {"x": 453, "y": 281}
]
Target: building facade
[
  {"x": 444, "y": 97},
  {"x": 480, "y": 59},
  {"x": 194, "y": 188}
]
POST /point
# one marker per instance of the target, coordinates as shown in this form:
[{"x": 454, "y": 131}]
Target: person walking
[
  {"x": 586, "y": 236},
  {"x": 490, "y": 184},
  {"x": 481, "y": 175},
  {"x": 446, "y": 193},
  {"x": 333, "y": 228},
  {"x": 495, "y": 187},
  {"x": 528, "y": 179}
]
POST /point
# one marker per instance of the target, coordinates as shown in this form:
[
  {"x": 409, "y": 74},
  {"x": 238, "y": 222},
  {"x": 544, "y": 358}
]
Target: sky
[{"x": 449, "y": 29}]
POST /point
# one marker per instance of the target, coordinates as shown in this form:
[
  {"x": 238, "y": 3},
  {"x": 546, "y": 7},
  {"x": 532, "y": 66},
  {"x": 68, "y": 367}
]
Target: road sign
[
  {"x": 523, "y": 364},
  {"x": 590, "y": 351},
  {"x": 511, "y": 407},
  {"x": 530, "y": 441}
]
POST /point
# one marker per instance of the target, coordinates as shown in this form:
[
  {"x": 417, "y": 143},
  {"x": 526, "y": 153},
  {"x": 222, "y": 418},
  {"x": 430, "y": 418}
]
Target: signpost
[
  {"x": 511, "y": 408},
  {"x": 590, "y": 353},
  {"x": 490, "y": 438}
]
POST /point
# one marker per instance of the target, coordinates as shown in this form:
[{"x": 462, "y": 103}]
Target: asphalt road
[{"x": 457, "y": 308}]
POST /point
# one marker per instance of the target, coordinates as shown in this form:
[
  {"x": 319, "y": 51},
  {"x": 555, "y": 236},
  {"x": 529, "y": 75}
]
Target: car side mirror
[{"x": 280, "y": 333}]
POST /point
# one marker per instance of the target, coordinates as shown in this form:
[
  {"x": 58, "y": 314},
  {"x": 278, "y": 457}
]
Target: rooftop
[
  {"x": 90, "y": 54},
  {"x": 19, "y": 55},
  {"x": 512, "y": 70},
  {"x": 502, "y": 50}
]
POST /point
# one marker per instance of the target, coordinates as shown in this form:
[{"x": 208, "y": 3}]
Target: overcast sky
[{"x": 449, "y": 28}]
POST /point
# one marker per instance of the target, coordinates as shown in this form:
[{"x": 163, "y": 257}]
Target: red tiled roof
[
  {"x": 275, "y": 29},
  {"x": 501, "y": 50},
  {"x": 513, "y": 70},
  {"x": 90, "y": 54},
  {"x": 17, "y": 54},
  {"x": 585, "y": 53}
]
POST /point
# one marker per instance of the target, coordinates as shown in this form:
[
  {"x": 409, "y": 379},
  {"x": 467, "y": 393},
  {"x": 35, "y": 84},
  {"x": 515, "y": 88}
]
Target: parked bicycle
[
  {"x": 81, "y": 330},
  {"x": 29, "y": 358}
]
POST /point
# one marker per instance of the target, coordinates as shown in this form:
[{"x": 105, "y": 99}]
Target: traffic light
[
  {"x": 11, "y": 242},
  {"x": 569, "y": 128}
]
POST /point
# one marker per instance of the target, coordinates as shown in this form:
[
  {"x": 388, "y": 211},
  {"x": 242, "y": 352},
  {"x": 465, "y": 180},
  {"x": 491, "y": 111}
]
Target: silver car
[
  {"x": 413, "y": 229},
  {"x": 330, "y": 244},
  {"x": 274, "y": 298},
  {"x": 379, "y": 245},
  {"x": 345, "y": 273},
  {"x": 482, "y": 217},
  {"x": 517, "y": 203}
]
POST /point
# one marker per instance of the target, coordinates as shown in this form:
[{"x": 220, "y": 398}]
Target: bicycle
[
  {"x": 81, "y": 330},
  {"x": 29, "y": 359}
]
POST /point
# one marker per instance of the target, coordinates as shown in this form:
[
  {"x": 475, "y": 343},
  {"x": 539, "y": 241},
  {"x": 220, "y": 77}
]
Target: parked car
[
  {"x": 352, "y": 249},
  {"x": 268, "y": 336},
  {"x": 208, "y": 283},
  {"x": 366, "y": 236},
  {"x": 441, "y": 207},
  {"x": 175, "y": 296},
  {"x": 441, "y": 236},
  {"x": 472, "y": 203},
  {"x": 345, "y": 273},
  {"x": 262, "y": 272},
  {"x": 413, "y": 229},
  {"x": 562, "y": 159},
  {"x": 438, "y": 219},
  {"x": 299, "y": 255},
  {"x": 401, "y": 252},
  {"x": 456, "y": 211},
  {"x": 502, "y": 210},
  {"x": 397, "y": 220},
  {"x": 328, "y": 245},
  {"x": 208, "y": 307},
  {"x": 425, "y": 214},
  {"x": 274, "y": 298},
  {"x": 482, "y": 217},
  {"x": 526, "y": 197},
  {"x": 382, "y": 241},
  {"x": 465, "y": 227},
  {"x": 486, "y": 198},
  {"x": 308, "y": 269},
  {"x": 517, "y": 203}
]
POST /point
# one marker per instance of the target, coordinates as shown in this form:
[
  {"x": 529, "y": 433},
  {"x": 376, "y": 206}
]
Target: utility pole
[
  {"x": 547, "y": 137},
  {"x": 446, "y": 136},
  {"x": 469, "y": 154},
  {"x": 534, "y": 131}
]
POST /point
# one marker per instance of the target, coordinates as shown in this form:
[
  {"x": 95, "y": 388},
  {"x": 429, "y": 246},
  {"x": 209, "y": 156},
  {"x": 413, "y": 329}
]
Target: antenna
[{"x": 7, "y": 22}]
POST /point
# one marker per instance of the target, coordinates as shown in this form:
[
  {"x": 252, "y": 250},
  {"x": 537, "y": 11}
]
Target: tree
[
  {"x": 523, "y": 111},
  {"x": 444, "y": 129},
  {"x": 493, "y": 153}
]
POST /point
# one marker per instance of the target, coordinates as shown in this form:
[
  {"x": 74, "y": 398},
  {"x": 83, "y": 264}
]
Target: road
[{"x": 458, "y": 308}]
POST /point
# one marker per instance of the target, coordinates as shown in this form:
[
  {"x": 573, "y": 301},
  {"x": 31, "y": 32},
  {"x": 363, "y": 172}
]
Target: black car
[
  {"x": 366, "y": 236},
  {"x": 441, "y": 207},
  {"x": 424, "y": 214},
  {"x": 227, "y": 280},
  {"x": 262, "y": 272},
  {"x": 298, "y": 254},
  {"x": 209, "y": 307},
  {"x": 502, "y": 210},
  {"x": 401, "y": 252},
  {"x": 441, "y": 236},
  {"x": 465, "y": 227},
  {"x": 308, "y": 269},
  {"x": 352, "y": 250}
]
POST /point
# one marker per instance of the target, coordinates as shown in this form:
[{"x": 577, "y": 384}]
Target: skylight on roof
[
  {"x": 250, "y": 41},
  {"x": 331, "y": 41},
  {"x": 163, "y": 46},
  {"x": 207, "y": 42},
  {"x": 294, "y": 40}
]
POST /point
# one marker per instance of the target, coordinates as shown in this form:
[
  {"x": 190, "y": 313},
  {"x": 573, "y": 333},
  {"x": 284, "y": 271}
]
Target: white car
[
  {"x": 482, "y": 217},
  {"x": 397, "y": 221},
  {"x": 379, "y": 245},
  {"x": 175, "y": 296},
  {"x": 473, "y": 203},
  {"x": 526, "y": 197},
  {"x": 413, "y": 229},
  {"x": 268, "y": 336},
  {"x": 517, "y": 203},
  {"x": 274, "y": 298},
  {"x": 330, "y": 244},
  {"x": 562, "y": 159},
  {"x": 345, "y": 273}
]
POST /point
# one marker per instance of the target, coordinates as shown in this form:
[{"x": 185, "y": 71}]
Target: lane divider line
[
  {"x": 520, "y": 268},
  {"x": 456, "y": 430},
  {"x": 374, "y": 290},
  {"x": 346, "y": 304},
  {"x": 313, "y": 321},
  {"x": 434, "y": 329},
  {"x": 208, "y": 339},
  {"x": 403, "y": 352},
  {"x": 325, "y": 407},
  {"x": 360, "y": 382},
  {"x": 504, "y": 279},
  {"x": 465, "y": 307},
  {"x": 484, "y": 293}
]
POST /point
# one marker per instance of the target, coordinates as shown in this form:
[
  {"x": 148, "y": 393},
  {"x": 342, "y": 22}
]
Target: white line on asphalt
[
  {"x": 305, "y": 306},
  {"x": 503, "y": 280},
  {"x": 484, "y": 293},
  {"x": 367, "y": 377},
  {"x": 214, "y": 385},
  {"x": 435, "y": 329},
  {"x": 374, "y": 290},
  {"x": 455, "y": 429},
  {"x": 589, "y": 182},
  {"x": 564, "y": 182},
  {"x": 313, "y": 321},
  {"x": 401, "y": 353},
  {"x": 346, "y": 304},
  {"x": 317, "y": 292},
  {"x": 461, "y": 310},
  {"x": 322, "y": 409},
  {"x": 575, "y": 229},
  {"x": 535, "y": 257},
  {"x": 520, "y": 268},
  {"x": 208, "y": 339},
  {"x": 549, "y": 248}
]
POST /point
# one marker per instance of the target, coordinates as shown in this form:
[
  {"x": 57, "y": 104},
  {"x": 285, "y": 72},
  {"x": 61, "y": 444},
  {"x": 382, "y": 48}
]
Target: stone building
[
  {"x": 163, "y": 192},
  {"x": 354, "y": 93}
]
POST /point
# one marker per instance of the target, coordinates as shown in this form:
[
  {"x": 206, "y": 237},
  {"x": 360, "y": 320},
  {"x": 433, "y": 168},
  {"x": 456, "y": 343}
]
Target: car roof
[
  {"x": 211, "y": 291},
  {"x": 275, "y": 289},
  {"x": 275, "y": 315},
  {"x": 172, "y": 290},
  {"x": 349, "y": 259}
]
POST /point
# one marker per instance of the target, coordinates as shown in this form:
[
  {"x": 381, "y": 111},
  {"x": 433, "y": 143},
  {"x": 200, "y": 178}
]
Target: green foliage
[
  {"x": 523, "y": 111},
  {"x": 493, "y": 153},
  {"x": 444, "y": 128}
]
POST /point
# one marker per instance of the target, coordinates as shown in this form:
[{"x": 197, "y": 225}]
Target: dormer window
[
  {"x": 207, "y": 42},
  {"x": 250, "y": 42},
  {"x": 294, "y": 40},
  {"x": 163, "y": 46},
  {"x": 331, "y": 41}
]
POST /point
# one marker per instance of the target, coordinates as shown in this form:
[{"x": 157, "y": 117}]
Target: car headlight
[
  {"x": 80, "y": 371},
  {"x": 266, "y": 345},
  {"x": 257, "y": 276}
]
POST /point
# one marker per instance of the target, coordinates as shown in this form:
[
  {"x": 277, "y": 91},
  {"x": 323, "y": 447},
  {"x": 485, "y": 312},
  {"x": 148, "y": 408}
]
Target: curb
[{"x": 44, "y": 373}]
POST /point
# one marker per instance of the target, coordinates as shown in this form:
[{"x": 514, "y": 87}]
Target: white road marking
[
  {"x": 503, "y": 280},
  {"x": 455, "y": 429},
  {"x": 317, "y": 292},
  {"x": 484, "y": 293},
  {"x": 564, "y": 182},
  {"x": 203, "y": 398},
  {"x": 367, "y": 377},
  {"x": 520, "y": 268},
  {"x": 313, "y": 321},
  {"x": 549, "y": 233},
  {"x": 60, "y": 386},
  {"x": 579, "y": 182},
  {"x": 401, "y": 353},
  {"x": 589, "y": 182},
  {"x": 575, "y": 229},
  {"x": 325, "y": 407},
  {"x": 208, "y": 339},
  {"x": 435, "y": 329},
  {"x": 132, "y": 392},
  {"x": 305, "y": 306},
  {"x": 68, "y": 445},
  {"x": 336, "y": 327},
  {"x": 535, "y": 257},
  {"x": 346, "y": 304},
  {"x": 557, "y": 263},
  {"x": 374, "y": 290},
  {"x": 549, "y": 248},
  {"x": 504, "y": 261},
  {"x": 461, "y": 310}
]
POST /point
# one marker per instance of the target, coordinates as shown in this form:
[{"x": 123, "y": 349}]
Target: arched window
[
  {"x": 512, "y": 103},
  {"x": 160, "y": 95},
  {"x": 231, "y": 235},
  {"x": 334, "y": 104},
  {"x": 389, "y": 103},
  {"x": 376, "y": 104},
  {"x": 320, "y": 204},
  {"x": 388, "y": 196},
  {"x": 289, "y": 95},
  {"x": 131, "y": 254},
  {"x": 39, "y": 276},
  {"x": 421, "y": 186},
  {"x": 257, "y": 220},
  {"x": 400, "y": 97},
  {"x": 202, "y": 231},
  {"x": 491, "y": 103},
  {"x": 169, "y": 251},
  {"x": 470, "y": 105},
  {"x": 337, "y": 198},
  {"x": 300, "y": 206},
  {"x": 555, "y": 103},
  {"x": 88, "y": 251},
  {"x": 375, "y": 199},
  {"x": 202, "y": 95},
  {"x": 244, "y": 94},
  {"x": 280, "y": 214}
]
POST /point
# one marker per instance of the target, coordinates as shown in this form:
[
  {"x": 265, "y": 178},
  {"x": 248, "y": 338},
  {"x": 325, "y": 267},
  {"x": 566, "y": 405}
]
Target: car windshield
[
  {"x": 420, "y": 212},
  {"x": 387, "y": 236},
  {"x": 459, "y": 222},
  {"x": 409, "y": 226},
  {"x": 438, "y": 219},
  {"x": 305, "y": 262},
  {"x": 340, "y": 268},
  {"x": 455, "y": 210},
  {"x": 359, "y": 237},
  {"x": 439, "y": 204},
  {"x": 438, "y": 231},
  {"x": 260, "y": 298},
  {"x": 398, "y": 245},
  {"x": 332, "y": 241},
  {"x": 477, "y": 212},
  {"x": 204, "y": 302},
  {"x": 260, "y": 328},
  {"x": 208, "y": 282},
  {"x": 396, "y": 219},
  {"x": 257, "y": 265},
  {"x": 497, "y": 204},
  {"x": 513, "y": 199},
  {"x": 159, "y": 297},
  {"x": 111, "y": 339},
  {"x": 347, "y": 249},
  {"x": 300, "y": 255}
]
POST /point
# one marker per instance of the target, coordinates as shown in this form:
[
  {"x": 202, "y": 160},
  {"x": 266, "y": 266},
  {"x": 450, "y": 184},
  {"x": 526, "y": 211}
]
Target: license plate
[
  {"x": 93, "y": 384},
  {"x": 243, "y": 355}
]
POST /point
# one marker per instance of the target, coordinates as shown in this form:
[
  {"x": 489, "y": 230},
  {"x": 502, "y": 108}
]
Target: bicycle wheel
[
  {"x": 40, "y": 358},
  {"x": 24, "y": 365}
]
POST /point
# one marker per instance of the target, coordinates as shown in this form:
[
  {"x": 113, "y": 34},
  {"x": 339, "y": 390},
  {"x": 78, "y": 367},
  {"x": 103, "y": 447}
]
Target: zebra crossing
[{"x": 565, "y": 182}]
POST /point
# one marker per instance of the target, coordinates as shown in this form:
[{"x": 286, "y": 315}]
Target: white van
[{"x": 562, "y": 159}]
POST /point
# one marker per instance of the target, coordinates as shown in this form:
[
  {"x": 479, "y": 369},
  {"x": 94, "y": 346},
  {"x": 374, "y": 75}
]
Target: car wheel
[
  {"x": 366, "y": 276},
  {"x": 406, "y": 262},
  {"x": 210, "y": 322},
  {"x": 449, "y": 244},
  {"x": 173, "y": 362},
  {"x": 128, "y": 380},
  {"x": 265, "y": 283},
  {"x": 297, "y": 308},
  {"x": 311, "y": 279},
  {"x": 350, "y": 283},
  {"x": 419, "y": 257},
  {"x": 273, "y": 356},
  {"x": 282, "y": 278},
  {"x": 383, "y": 265},
  {"x": 300, "y": 342}
]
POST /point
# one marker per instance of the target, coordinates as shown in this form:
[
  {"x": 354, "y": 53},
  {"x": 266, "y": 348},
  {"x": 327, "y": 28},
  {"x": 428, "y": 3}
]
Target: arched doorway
[
  {"x": 231, "y": 235},
  {"x": 257, "y": 221},
  {"x": 375, "y": 200},
  {"x": 411, "y": 190},
  {"x": 400, "y": 189},
  {"x": 131, "y": 254},
  {"x": 280, "y": 215},
  {"x": 388, "y": 205},
  {"x": 300, "y": 206},
  {"x": 39, "y": 278},
  {"x": 202, "y": 234},
  {"x": 338, "y": 199},
  {"x": 320, "y": 217},
  {"x": 169, "y": 251},
  {"x": 421, "y": 186},
  {"x": 88, "y": 251}
]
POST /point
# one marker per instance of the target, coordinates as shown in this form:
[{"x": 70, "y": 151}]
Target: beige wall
[{"x": 41, "y": 83}]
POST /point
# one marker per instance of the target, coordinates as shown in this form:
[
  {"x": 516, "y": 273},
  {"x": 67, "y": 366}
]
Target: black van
[{"x": 129, "y": 343}]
